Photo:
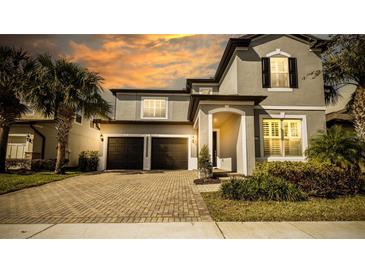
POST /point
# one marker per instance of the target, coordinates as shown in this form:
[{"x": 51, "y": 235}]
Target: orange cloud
[{"x": 150, "y": 61}]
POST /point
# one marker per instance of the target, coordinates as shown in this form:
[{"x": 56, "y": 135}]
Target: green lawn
[
  {"x": 340, "y": 209},
  {"x": 12, "y": 182}
]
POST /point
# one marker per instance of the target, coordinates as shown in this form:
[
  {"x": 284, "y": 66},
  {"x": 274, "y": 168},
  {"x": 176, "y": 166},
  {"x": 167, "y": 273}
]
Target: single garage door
[
  {"x": 125, "y": 153},
  {"x": 169, "y": 153}
]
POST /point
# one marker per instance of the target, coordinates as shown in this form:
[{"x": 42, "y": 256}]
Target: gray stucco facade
[{"x": 227, "y": 112}]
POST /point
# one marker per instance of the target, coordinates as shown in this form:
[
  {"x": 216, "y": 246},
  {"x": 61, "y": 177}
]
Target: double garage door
[{"x": 166, "y": 153}]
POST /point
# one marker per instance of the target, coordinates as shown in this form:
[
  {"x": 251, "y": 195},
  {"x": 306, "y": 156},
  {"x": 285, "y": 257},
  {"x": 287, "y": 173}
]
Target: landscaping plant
[
  {"x": 316, "y": 178},
  {"x": 16, "y": 68},
  {"x": 261, "y": 188},
  {"x": 205, "y": 165},
  {"x": 63, "y": 89},
  {"x": 88, "y": 160},
  {"x": 344, "y": 64},
  {"x": 339, "y": 147}
]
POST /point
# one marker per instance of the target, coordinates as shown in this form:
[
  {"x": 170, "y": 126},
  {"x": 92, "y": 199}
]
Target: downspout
[{"x": 43, "y": 139}]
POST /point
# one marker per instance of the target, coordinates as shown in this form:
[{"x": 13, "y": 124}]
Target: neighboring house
[
  {"x": 259, "y": 106},
  {"x": 338, "y": 113},
  {"x": 34, "y": 137}
]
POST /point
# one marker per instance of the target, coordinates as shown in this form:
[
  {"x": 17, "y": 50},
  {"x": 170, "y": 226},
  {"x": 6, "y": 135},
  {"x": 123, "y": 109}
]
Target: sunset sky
[{"x": 133, "y": 61}]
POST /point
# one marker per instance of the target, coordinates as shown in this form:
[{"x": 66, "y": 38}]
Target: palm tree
[
  {"x": 340, "y": 147},
  {"x": 344, "y": 64},
  {"x": 64, "y": 88},
  {"x": 16, "y": 68}
]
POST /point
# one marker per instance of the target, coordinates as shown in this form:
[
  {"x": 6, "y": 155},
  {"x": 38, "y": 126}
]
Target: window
[
  {"x": 78, "y": 116},
  {"x": 205, "y": 90},
  {"x": 279, "y": 69},
  {"x": 279, "y": 72},
  {"x": 16, "y": 147},
  {"x": 154, "y": 108},
  {"x": 282, "y": 137}
]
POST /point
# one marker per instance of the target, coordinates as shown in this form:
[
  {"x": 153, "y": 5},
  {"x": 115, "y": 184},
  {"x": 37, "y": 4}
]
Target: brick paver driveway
[{"x": 107, "y": 198}]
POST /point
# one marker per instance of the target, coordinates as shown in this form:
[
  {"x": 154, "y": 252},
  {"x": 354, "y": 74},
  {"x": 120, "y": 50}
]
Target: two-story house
[{"x": 260, "y": 105}]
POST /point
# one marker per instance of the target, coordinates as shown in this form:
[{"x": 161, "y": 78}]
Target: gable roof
[{"x": 244, "y": 41}]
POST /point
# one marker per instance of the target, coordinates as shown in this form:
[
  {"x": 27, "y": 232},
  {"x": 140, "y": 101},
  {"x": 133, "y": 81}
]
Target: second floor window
[
  {"x": 279, "y": 70},
  {"x": 154, "y": 108}
]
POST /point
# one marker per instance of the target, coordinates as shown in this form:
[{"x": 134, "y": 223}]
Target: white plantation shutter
[
  {"x": 272, "y": 137},
  {"x": 282, "y": 137},
  {"x": 279, "y": 68}
]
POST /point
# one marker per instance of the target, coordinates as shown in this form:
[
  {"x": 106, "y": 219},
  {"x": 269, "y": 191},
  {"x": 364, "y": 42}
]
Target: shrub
[
  {"x": 261, "y": 187},
  {"x": 88, "y": 160},
  {"x": 42, "y": 164},
  {"x": 339, "y": 146},
  {"x": 320, "y": 179},
  {"x": 204, "y": 163},
  {"x": 17, "y": 164}
]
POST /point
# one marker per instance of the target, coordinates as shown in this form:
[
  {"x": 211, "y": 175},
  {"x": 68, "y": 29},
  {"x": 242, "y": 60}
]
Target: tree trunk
[
  {"x": 61, "y": 153},
  {"x": 358, "y": 111},
  {"x": 4, "y": 135},
  {"x": 63, "y": 126}
]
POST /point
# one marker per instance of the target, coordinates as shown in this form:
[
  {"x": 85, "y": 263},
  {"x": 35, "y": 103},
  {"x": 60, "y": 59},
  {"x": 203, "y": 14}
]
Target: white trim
[
  {"x": 244, "y": 144},
  {"x": 196, "y": 119},
  {"x": 157, "y": 98},
  {"x": 210, "y": 135},
  {"x": 284, "y": 116},
  {"x": 276, "y": 158},
  {"x": 242, "y": 113},
  {"x": 281, "y": 89},
  {"x": 227, "y": 109},
  {"x": 290, "y": 107},
  {"x": 207, "y": 88},
  {"x": 278, "y": 52},
  {"x": 18, "y": 134},
  {"x": 218, "y": 145}
]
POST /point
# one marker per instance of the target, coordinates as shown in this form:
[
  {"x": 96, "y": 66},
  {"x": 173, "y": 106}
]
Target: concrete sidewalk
[{"x": 186, "y": 230}]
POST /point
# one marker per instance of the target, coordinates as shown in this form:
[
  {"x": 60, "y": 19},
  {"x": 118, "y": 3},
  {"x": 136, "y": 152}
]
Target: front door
[{"x": 214, "y": 156}]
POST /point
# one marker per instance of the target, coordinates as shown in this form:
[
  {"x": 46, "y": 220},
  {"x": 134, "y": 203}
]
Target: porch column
[
  {"x": 248, "y": 141},
  {"x": 205, "y": 131}
]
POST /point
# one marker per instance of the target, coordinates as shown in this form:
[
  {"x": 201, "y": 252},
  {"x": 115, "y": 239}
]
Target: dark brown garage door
[
  {"x": 169, "y": 153},
  {"x": 125, "y": 153}
]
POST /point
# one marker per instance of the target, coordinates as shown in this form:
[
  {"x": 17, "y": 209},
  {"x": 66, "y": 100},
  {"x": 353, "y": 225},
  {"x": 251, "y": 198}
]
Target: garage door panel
[
  {"x": 125, "y": 153},
  {"x": 169, "y": 153}
]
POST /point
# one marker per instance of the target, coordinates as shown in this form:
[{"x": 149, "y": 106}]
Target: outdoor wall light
[
  {"x": 193, "y": 139},
  {"x": 101, "y": 137},
  {"x": 28, "y": 138}
]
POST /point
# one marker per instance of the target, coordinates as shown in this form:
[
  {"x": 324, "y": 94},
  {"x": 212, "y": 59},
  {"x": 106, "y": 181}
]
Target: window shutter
[
  {"x": 293, "y": 73},
  {"x": 265, "y": 72}
]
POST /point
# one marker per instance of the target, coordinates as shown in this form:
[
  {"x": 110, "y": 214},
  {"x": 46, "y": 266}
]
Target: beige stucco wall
[
  {"x": 81, "y": 138},
  {"x": 229, "y": 138},
  {"x": 128, "y": 106}
]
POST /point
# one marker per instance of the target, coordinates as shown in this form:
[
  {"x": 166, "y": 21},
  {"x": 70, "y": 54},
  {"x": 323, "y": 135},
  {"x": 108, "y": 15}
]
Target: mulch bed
[{"x": 206, "y": 181}]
